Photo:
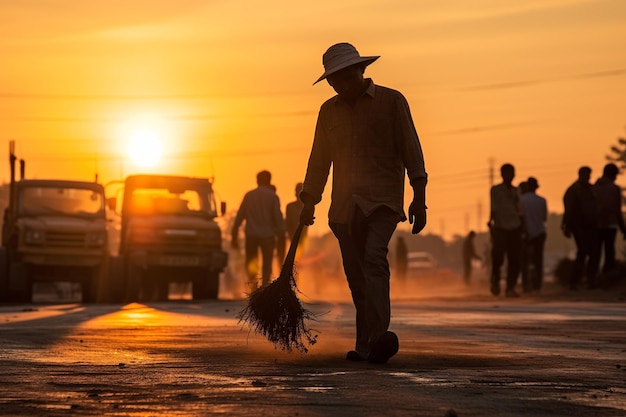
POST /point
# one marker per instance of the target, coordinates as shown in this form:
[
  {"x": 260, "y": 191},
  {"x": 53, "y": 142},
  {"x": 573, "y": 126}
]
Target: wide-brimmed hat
[
  {"x": 340, "y": 56},
  {"x": 532, "y": 182}
]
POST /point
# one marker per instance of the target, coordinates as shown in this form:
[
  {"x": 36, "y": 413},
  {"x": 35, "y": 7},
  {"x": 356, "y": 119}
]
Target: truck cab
[
  {"x": 168, "y": 234},
  {"x": 53, "y": 230}
]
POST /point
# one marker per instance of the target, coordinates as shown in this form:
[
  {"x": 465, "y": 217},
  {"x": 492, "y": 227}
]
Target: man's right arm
[
  {"x": 316, "y": 176},
  {"x": 234, "y": 238}
]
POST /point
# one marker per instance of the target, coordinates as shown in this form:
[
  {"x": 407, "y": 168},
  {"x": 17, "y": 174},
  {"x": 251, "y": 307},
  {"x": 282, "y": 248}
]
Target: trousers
[{"x": 364, "y": 245}]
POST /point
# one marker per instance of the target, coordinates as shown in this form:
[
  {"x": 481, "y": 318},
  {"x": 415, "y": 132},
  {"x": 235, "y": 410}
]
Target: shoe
[
  {"x": 384, "y": 348},
  {"x": 356, "y": 356},
  {"x": 512, "y": 294}
]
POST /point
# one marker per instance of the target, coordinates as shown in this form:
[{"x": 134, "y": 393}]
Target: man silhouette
[
  {"x": 505, "y": 226},
  {"x": 580, "y": 219},
  {"x": 260, "y": 209},
  {"x": 367, "y": 135}
]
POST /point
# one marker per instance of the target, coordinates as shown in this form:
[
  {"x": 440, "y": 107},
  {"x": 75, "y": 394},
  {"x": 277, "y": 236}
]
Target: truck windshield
[
  {"x": 154, "y": 201},
  {"x": 55, "y": 200}
]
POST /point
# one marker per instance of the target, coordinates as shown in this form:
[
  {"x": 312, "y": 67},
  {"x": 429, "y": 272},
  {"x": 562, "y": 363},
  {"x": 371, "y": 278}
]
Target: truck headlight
[
  {"x": 34, "y": 237},
  {"x": 96, "y": 238}
]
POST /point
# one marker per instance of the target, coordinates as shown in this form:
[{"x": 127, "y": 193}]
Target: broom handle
[{"x": 291, "y": 255}]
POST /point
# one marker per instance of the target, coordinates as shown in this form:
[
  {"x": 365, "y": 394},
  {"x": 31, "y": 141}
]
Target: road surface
[{"x": 460, "y": 355}]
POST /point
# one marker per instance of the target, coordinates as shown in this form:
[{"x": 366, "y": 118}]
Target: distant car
[{"x": 421, "y": 263}]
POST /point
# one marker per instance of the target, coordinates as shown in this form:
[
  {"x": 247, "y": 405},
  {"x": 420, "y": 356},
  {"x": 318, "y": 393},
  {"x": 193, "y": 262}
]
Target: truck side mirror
[
  {"x": 112, "y": 203},
  {"x": 223, "y": 207}
]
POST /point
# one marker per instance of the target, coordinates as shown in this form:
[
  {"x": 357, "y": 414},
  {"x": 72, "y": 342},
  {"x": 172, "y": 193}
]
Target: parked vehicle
[
  {"x": 168, "y": 234},
  {"x": 421, "y": 264},
  {"x": 53, "y": 231}
]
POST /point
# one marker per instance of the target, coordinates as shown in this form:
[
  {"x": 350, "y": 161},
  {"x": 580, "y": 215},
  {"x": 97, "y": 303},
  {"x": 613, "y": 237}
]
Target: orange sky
[{"x": 538, "y": 83}]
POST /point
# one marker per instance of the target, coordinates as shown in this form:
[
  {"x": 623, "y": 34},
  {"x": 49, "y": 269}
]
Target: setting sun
[
  {"x": 144, "y": 137},
  {"x": 145, "y": 148}
]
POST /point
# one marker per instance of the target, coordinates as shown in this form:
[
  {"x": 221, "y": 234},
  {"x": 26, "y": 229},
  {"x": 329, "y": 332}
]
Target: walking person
[
  {"x": 535, "y": 216},
  {"x": 580, "y": 219},
  {"x": 367, "y": 135},
  {"x": 260, "y": 209},
  {"x": 505, "y": 226},
  {"x": 292, "y": 218},
  {"x": 610, "y": 218},
  {"x": 402, "y": 260},
  {"x": 469, "y": 254}
]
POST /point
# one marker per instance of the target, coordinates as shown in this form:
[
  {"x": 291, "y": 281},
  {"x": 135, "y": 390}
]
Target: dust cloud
[{"x": 319, "y": 276}]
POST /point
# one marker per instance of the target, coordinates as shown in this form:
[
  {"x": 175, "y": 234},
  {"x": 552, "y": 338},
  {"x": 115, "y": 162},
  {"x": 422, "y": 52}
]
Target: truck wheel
[
  {"x": 114, "y": 287},
  {"x": 163, "y": 289},
  {"x": 206, "y": 287},
  {"x": 90, "y": 285},
  {"x": 20, "y": 285},
  {"x": 134, "y": 277}
]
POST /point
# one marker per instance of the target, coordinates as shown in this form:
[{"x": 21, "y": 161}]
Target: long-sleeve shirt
[
  {"x": 370, "y": 146},
  {"x": 580, "y": 206},
  {"x": 609, "y": 197},
  {"x": 535, "y": 214},
  {"x": 506, "y": 208},
  {"x": 260, "y": 209}
]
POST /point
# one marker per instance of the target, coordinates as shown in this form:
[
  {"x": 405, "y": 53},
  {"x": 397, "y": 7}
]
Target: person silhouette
[
  {"x": 610, "y": 218},
  {"x": 260, "y": 209},
  {"x": 580, "y": 220},
  {"x": 535, "y": 217},
  {"x": 402, "y": 255},
  {"x": 367, "y": 135},
  {"x": 468, "y": 255},
  {"x": 292, "y": 219},
  {"x": 505, "y": 227}
]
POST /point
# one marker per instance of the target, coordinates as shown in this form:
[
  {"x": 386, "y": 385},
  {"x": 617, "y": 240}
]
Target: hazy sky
[{"x": 228, "y": 85}]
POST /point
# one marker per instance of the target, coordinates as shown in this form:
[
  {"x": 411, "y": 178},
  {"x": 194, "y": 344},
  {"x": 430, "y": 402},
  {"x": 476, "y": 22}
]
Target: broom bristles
[{"x": 276, "y": 312}]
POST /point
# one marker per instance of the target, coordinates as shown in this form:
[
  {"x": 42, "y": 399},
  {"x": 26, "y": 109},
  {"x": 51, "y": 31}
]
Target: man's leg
[
  {"x": 375, "y": 232},
  {"x": 252, "y": 262},
  {"x": 513, "y": 257},
  {"x": 497, "y": 258},
  {"x": 267, "y": 244},
  {"x": 583, "y": 250},
  {"x": 467, "y": 270},
  {"x": 538, "y": 245},
  {"x": 594, "y": 247},
  {"x": 608, "y": 237},
  {"x": 526, "y": 265},
  {"x": 379, "y": 227},
  {"x": 356, "y": 281}
]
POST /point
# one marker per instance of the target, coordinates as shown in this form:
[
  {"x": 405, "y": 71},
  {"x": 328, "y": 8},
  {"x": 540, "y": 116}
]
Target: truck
[
  {"x": 168, "y": 234},
  {"x": 53, "y": 230}
]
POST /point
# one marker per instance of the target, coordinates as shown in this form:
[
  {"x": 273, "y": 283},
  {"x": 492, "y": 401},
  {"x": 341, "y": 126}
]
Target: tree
[{"x": 618, "y": 153}]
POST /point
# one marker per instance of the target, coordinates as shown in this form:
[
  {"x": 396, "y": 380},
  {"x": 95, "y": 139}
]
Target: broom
[{"x": 275, "y": 311}]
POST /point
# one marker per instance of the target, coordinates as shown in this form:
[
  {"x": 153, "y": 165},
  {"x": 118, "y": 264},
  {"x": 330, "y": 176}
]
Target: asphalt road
[{"x": 462, "y": 355}]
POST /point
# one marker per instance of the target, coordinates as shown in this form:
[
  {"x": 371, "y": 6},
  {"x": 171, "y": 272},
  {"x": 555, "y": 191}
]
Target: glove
[
  {"x": 417, "y": 216},
  {"x": 234, "y": 240},
  {"x": 307, "y": 214},
  {"x": 417, "y": 208}
]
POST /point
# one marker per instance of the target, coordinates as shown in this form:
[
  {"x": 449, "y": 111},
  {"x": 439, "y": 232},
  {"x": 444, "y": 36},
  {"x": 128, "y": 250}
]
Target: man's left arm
[{"x": 410, "y": 150}]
